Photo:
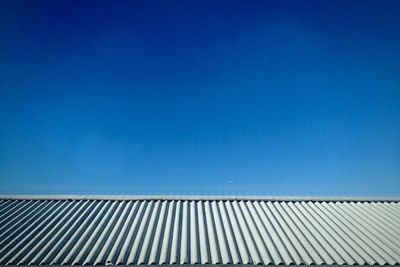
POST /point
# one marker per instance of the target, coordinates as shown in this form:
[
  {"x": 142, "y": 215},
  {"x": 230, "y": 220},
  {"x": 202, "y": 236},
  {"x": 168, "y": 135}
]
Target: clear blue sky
[{"x": 200, "y": 97}]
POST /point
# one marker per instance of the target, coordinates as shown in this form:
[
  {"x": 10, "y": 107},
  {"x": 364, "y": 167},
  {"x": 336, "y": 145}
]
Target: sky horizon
[{"x": 200, "y": 97}]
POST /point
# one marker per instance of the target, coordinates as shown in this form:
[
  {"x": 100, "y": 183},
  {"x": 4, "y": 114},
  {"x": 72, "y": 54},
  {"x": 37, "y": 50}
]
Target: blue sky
[{"x": 200, "y": 97}]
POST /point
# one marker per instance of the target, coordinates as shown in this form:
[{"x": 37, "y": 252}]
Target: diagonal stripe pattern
[{"x": 156, "y": 231}]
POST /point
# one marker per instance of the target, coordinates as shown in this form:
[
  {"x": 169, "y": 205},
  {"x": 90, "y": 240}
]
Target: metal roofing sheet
[{"x": 198, "y": 231}]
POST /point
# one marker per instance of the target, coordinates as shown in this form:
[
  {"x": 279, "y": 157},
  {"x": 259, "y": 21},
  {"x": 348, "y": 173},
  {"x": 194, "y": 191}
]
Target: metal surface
[{"x": 105, "y": 231}]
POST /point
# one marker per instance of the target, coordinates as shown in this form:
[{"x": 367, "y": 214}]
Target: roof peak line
[{"x": 205, "y": 197}]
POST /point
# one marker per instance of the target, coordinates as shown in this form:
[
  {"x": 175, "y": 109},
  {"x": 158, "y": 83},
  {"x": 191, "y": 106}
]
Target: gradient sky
[{"x": 200, "y": 97}]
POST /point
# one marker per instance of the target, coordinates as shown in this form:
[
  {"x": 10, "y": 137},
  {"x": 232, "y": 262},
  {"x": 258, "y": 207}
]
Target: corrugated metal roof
[
  {"x": 204, "y": 197},
  {"x": 198, "y": 231}
]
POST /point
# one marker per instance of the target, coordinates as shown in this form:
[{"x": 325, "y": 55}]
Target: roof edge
[
  {"x": 196, "y": 265},
  {"x": 202, "y": 197}
]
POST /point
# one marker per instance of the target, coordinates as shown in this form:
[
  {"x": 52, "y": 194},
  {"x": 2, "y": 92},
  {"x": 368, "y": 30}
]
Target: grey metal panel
[{"x": 198, "y": 231}]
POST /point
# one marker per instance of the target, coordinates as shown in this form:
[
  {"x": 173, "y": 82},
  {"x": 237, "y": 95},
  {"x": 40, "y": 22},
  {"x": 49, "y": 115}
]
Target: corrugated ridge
[
  {"x": 142, "y": 232},
  {"x": 205, "y": 197}
]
